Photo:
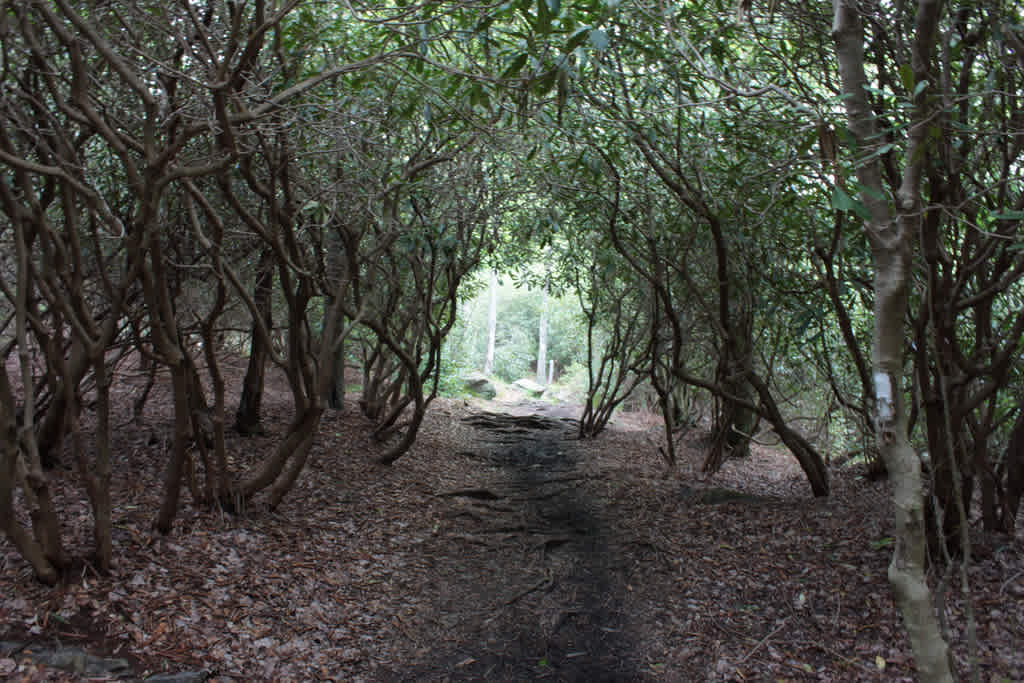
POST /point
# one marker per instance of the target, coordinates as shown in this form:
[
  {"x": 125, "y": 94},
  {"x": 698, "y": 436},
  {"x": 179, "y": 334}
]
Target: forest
[{"x": 768, "y": 255}]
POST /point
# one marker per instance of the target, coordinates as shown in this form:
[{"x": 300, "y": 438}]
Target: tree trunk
[
  {"x": 298, "y": 438},
  {"x": 492, "y": 325},
  {"x": 96, "y": 476},
  {"x": 52, "y": 427},
  {"x": 36, "y": 485},
  {"x": 542, "y": 340},
  {"x": 176, "y": 464},
  {"x": 736, "y": 421},
  {"x": 102, "y": 521},
  {"x": 302, "y": 443},
  {"x": 247, "y": 418},
  {"x": 943, "y": 525},
  {"x": 891, "y": 239},
  {"x": 336, "y": 393},
  {"x": 27, "y": 546},
  {"x": 409, "y": 437},
  {"x": 1013, "y": 463},
  {"x": 906, "y": 571},
  {"x": 810, "y": 460}
]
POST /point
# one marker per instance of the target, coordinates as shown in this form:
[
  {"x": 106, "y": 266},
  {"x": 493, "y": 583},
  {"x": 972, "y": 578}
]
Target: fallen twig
[{"x": 763, "y": 641}]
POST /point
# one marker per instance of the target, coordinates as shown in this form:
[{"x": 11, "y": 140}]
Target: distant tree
[
  {"x": 542, "y": 339},
  {"x": 492, "y": 323}
]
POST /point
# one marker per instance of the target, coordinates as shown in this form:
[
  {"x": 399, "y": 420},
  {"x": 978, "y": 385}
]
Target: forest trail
[
  {"x": 551, "y": 607},
  {"x": 500, "y": 549}
]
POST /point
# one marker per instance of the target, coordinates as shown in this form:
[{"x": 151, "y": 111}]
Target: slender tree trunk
[
  {"x": 176, "y": 464},
  {"x": 218, "y": 474},
  {"x": 542, "y": 340},
  {"x": 946, "y": 454},
  {"x": 492, "y": 324},
  {"x": 45, "y": 523},
  {"x": 810, "y": 460},
  {"x": 27, "y": 546},
  {"x": 98, "y": 481},
  {"x": 301, "y": 444},
  {"x": 336, "y": 393},
  {"x": 411, "y": 431},
  {"x": 1013, "y": 462},
  {"x": 891, "y": 240},
  {"x": 53, "y": 425},
  {"x": 247, "y": 418}
]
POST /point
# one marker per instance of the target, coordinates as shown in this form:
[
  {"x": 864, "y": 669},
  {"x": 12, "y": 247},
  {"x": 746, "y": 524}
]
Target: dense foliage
[{"x": 741, "y": 214}]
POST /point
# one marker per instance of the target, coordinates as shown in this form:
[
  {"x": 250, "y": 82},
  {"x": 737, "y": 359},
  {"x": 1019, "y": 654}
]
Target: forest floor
[{"x": 499, "y": 549}]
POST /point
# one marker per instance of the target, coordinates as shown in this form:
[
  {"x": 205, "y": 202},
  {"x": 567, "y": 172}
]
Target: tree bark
[
  {"x": 300, "y": 443},
  {"x": 247, "y": 418},
  {"x": 97, "y": 477},
  {"x": 1013, "y": 462},
  {"x": 336, "y": 393},
  {"x": 542, "y": 340},
  {"x": 810, "y": 460},
  {"x": 28, "y": 547},
  {"x": 492, "y": 324},
  {"x": 176, "y": 464},
  {"x": 891, "y": 239}
]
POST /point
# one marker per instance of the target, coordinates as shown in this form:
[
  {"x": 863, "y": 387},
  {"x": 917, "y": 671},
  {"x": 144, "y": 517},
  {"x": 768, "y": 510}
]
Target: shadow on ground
[{"x": 537, "y": 594}]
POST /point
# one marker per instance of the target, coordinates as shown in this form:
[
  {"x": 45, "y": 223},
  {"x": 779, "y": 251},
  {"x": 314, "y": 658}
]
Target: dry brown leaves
[{"x": 366, "y": 573}]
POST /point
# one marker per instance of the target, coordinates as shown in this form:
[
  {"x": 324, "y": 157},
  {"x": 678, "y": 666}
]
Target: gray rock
[
  {"x": 182, "y": 677},
  {"x": 478, "y": 384},
  {"x": 529, "y": 386},
  {"x": 79, "y": 661}
]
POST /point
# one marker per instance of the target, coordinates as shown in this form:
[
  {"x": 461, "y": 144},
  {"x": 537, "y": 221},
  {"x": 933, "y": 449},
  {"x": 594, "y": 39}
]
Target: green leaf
[
  {"x": 872, "y": 192},
  {"x": 1009, "y": 216},
  {"x": 907, "y": 77},
  {"x": 882, "y": 543},
  {"x": 840, "y": 200},
  {"x": 544, "y": 84},
  {"x": 484, "y": 24},
  {"x": 881, "y": 150},
  {"x": 804, "y": 146},
  {"x": 515, "y": 66},
  {"x": 920, "y": 87},
  {"x": 846, "y": 137},
  {"x": 576, "y": 39},
  {"x": 599, "y": 39}
]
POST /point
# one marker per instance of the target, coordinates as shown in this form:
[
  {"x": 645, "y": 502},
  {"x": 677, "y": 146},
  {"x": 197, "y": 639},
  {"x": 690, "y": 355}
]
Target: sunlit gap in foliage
[{"x": 523, "y": 304}]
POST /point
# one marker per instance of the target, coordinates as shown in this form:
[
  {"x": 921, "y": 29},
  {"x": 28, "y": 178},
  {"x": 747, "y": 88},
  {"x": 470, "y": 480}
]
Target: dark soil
[{"x": 554, "y": 610}]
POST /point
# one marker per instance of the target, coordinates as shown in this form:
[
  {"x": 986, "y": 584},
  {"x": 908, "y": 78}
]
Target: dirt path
[
  {"x": 499, "y": 549},
  {"x": 549, "y": 598}
]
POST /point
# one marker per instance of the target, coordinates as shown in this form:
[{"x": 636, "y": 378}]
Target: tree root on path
[{"x": 547, "y": 582}]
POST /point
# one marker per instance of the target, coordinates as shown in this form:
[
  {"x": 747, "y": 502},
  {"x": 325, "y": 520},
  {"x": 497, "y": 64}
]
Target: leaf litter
[{"x": 499, "y": 549}]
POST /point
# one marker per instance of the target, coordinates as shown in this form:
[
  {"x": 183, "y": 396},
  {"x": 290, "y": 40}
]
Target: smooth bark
[
  {"x": 891, "y": 237},
  {"x": 492, "y": 324},
  {"x": 247, "y": 417},
  {"x": 542, "y": 340}
]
